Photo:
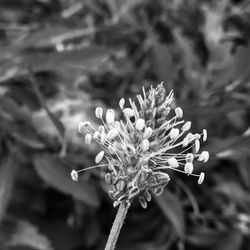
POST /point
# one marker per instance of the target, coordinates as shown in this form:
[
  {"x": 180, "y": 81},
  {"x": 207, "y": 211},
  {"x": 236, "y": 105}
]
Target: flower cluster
[{"x": 140, "y": 149}]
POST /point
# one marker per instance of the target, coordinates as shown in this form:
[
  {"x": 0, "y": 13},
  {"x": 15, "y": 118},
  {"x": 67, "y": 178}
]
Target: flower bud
[
  {"x": 163, "y": 177},
  {"x": 108, "y": 178},
  {"x": 158, "y": 191},
  {"x": 186, "y": 126},
  {"x": 204, "y": 156},
  {"x": 116, "y": 203},
  {"x": 145, "y": 145},
  {"x": 88, "y": 138},
  {"x": 128, "y": 112},
  {"x": 111, "y": 194},
  {"x": 142, "y": 202},
  {"x": 74, "y": 175},
  {"x": 189, "y": 167},
  {"x": 178, "y": 112},
  {"x": 173, "y": 163},
  {"x": 99, "y": 157},
  {"x": 120, "y": 185},
  {"x": 133, "y": 192},
  {"x": 147, "y": 195},
  {"x": 123, "y": 197},
  {"x": 174, "y": 133},
  {"x": 121, "y": 103},
  {"x": 147, "y": 133},
  {"x": 140, "y": 123},
  {"x": 98, "y": 112},
  {"x": 201, "y": 178},
  {"x": 110, "y": 116},
  {"x": 204, "y": 134}
]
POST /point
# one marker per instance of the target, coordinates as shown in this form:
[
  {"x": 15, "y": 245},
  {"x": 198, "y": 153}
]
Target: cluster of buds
[{"x": 141, "y": 148}]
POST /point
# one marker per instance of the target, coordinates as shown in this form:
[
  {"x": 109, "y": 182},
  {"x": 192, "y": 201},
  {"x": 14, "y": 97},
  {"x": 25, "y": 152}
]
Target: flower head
[{"x": 141, "y": 148}]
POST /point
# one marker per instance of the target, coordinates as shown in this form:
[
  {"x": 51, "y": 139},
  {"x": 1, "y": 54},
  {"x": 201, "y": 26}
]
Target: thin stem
[{"x": 116, "y": 228}]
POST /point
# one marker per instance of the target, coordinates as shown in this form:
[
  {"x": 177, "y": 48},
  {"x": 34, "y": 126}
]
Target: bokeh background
[{"x": 59, "y": 59}]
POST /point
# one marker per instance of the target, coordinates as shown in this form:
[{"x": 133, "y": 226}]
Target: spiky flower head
[{"x": 141, "y": 148}]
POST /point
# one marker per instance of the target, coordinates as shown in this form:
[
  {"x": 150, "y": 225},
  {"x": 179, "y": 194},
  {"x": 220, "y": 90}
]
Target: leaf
[
  {"x": 53, "y": 170},
  {"x": 172, "y": 210},
  {"x": 201, "y": 236}
]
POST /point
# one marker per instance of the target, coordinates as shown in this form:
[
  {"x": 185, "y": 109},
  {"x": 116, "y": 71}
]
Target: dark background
[{"x": 60, "y": 59}]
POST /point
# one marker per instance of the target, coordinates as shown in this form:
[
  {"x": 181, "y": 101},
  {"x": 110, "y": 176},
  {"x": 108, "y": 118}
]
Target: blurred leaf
[
  {"x": 28, "y": 140},
  {"x": 63, "y": 236},
  {"x": 87, "y": 57},
  {"x": 7, "y": 172},
  {"x": 54, "y": 171},
  {"x": 231, "y": 241},
  {"x": 26, "y": 234},
  {"x": 235, "y": 193},
  {"x": 11, "y": 108},
  {"x": 55, "y": 120},
  {"x": 162, "y": 63},
  {"x": 202, "y": 236},
  {"x": 172, "y": 209}
]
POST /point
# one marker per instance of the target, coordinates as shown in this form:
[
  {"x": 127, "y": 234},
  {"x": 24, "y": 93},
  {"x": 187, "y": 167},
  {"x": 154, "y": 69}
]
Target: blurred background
[{"x": 59, "y": 59}]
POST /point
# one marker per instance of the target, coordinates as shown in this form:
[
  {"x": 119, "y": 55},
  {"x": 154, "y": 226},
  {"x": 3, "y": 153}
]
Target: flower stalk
[{"x": 116, "y": 227}]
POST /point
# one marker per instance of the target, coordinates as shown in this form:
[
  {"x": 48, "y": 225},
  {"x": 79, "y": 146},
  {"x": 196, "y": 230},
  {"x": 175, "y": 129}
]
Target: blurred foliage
[{"x": 60, "y": 59}]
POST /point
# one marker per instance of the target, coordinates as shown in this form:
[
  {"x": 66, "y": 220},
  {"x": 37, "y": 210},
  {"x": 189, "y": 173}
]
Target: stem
[{"x": 116, "y": 228}]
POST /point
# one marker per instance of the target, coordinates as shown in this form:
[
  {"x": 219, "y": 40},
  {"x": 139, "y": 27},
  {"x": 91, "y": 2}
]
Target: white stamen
[
  {"x": 185, "y": 142},
  {"x": 121, "y": 103},
  {"x": 204, "y": 134},
  {"x": 82, "y": 125},
  {"x": 128, "y": 112},
  {"x": 145, "y": 145},
  {"x": 112, "y": 134},
  {"x": 96, "y": 135},
  {"x": 173, "y": 162},
  {"x": 101, "y": 129},
  {"x": 174, "y": 133},
  {"x": 147, "y": 133},
  {"x": 140, "y": 123},
  {"x": 201, "y": 178},
  {"x": 99, "y": 157},
  {"x": 197, "y": 146},
  {"x": 110, "y": 116},
  {"x": 103, "y": 138},
  {"x": 74, "y": 175},
  {"x": 186, "y": 126},
  {"x": 99, "y": 112},
  {"x": 178, "y": 112},
  {"x": 88, "y": 138},
  {"x": 189, "y": 167},
  {"x": 189, "y": 157},
  {"x": 204, "y": 156}
]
